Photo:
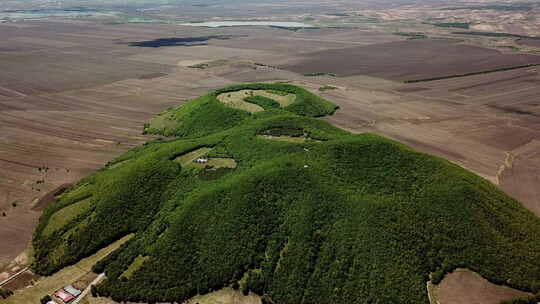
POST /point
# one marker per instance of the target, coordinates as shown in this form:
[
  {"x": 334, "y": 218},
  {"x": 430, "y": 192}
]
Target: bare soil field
[
  {"x": 223, "y": 296},
  {"x": 465, "y": 287},
  {"x": 530, "y": 42},
  {"x": 408, "y": 60},
  {"x": 62, "y": 119}
]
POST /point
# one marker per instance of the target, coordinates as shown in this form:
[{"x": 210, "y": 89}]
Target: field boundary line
[
  {"x": 13, "y": 277},
  {"x": 501, "y": 69}
]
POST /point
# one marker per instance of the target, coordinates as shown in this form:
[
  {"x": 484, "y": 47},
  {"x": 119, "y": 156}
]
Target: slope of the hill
[{"x": 292, "y": 208}]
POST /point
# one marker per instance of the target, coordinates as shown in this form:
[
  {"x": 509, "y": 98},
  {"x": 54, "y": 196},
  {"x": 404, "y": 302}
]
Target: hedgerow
[{"x": 264, "y": 102}]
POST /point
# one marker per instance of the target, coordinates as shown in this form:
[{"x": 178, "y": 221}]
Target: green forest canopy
[{"x": 336, "y": 218}]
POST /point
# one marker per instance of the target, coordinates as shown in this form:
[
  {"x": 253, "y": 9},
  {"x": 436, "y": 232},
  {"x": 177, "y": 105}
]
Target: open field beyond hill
[
  {"x": 73, "y": 121},
  {"x": 409, "y": 60}
]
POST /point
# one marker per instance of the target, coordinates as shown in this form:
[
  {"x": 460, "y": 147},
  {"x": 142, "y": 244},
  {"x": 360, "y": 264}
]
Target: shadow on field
[{"x": 175, "y": 41}]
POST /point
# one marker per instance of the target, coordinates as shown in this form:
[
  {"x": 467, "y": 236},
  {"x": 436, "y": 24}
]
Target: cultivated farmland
[{"x": 408, "y": 60}]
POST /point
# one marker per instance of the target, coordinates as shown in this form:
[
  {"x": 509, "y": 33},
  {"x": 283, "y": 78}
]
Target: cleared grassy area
[
  {"x": 66, "y": 214},
  {"x": 283, "y": 98},
  {"x": 188, "y": 158},
  {"x": 223, "y": 296},
  {"x": 236, "y": 99},
  {"x": 298, "y": 139},
  {"x": 222, "y": 163},
  {"x": 162, "y": 121},
  {"x": 226, "y": 296},
  {"x": 77, "y": 192},
  {"x": 48, "y": 285},
  {"x": 137, "y": 263}
]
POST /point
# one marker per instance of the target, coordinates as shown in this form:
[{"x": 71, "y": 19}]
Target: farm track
[{"x": 13, "y": 277}]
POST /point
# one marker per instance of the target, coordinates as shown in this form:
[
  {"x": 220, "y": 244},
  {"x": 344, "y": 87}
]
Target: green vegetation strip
[
  {"x": 496, "y": 34},
  {"x": 66, "y": 214},
  {"x": 412, "y": 35},
  {"x": 264, "y": 102},
  {"x": 327, "y": 88},
  {"x": 463, "y": 25},
  {"x": 473, "y": 73},
  {"x": 320, "y": 74}
]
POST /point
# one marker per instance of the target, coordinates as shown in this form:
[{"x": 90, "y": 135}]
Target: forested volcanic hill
[{"x": 280, "y": 203}]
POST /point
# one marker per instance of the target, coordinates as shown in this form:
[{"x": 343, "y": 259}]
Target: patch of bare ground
[
  {"x": 520, "y": 174},
  {"x": 22, "y": 281},
  {"x": 223, "y": 296},
  {"x": 408, "y": 60},
  {"x": 465, "y": 287},
  {"x": 50, "y": 197},
  {"x": 529, "y": 42}
]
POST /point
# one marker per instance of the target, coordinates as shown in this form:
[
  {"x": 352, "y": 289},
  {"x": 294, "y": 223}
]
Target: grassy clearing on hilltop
[
  {"x": 226, "y": 108},
  {"x": 334, "y": 218}
]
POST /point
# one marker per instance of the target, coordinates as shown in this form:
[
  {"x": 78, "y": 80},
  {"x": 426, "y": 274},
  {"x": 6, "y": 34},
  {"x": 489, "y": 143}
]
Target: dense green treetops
[{"x": 336, "y": 218}]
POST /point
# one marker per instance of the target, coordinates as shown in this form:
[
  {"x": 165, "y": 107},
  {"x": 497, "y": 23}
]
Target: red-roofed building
[{"x": 64, "y": 296}]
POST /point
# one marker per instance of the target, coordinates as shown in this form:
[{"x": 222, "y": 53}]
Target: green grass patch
[
  {"x": 222, "y": 163},
  {"x": 237, "y": 100},
  {"x": 188, "y": 158},
  {"x": 66, "y": 215},
  {"x": 297, "y": 139},
  {"x": 327, "y": 88},
  {"x": 264, "y": 102},
  {"x": 137, "y": 263},
  {"x": 262, "y": 98}
]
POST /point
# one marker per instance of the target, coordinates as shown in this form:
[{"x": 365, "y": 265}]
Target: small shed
[
  {"x": 64, "y": 296},
  {"x": 72, "y": 290}
]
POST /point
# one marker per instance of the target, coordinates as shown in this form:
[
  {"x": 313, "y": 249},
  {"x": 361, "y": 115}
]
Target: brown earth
[
  {"x": 408, "y": 60},
  {"x": 467, "y": 287},
  {"x": 50, "y": 197},
  {"x": 21, "y": 281},
  {"x": 529, "y": 42}
]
